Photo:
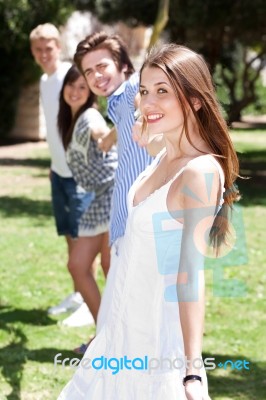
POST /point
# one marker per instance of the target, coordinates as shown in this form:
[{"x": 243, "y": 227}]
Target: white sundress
[{"x": 142, "y": 322}]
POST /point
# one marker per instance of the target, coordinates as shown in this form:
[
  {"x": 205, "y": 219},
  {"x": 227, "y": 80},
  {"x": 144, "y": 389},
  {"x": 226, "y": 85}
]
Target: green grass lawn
[{"x": 33, "y": 277}]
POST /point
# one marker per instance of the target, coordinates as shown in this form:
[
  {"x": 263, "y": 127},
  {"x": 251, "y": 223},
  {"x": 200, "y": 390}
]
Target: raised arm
[{"x": 153, "y": 144}]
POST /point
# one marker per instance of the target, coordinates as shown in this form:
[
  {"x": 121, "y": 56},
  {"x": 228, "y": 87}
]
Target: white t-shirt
[{"x": 50, "y": 87}]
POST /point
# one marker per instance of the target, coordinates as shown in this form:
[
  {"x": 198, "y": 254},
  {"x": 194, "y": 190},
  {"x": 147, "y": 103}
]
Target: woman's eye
[
  {"x": 143, "y": 92},
  {"x": 162, "y": 91}
]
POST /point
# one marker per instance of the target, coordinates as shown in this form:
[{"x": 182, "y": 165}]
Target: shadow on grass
[
  {"x": 241, "y": 384},
  {"x": 252, "y": 166},
  {"x": 34, "y": 316},
  {"x": 23, "y": 206},
  {"x": 27, "y": 162},
  {"x": 15, "y": 355},
  {"x": 256, "y": 158},
  {"x": 249, "y": 127}
]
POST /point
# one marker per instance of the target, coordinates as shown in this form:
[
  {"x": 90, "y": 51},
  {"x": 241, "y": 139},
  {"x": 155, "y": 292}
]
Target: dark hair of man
[{"x": 113, "y": 43}]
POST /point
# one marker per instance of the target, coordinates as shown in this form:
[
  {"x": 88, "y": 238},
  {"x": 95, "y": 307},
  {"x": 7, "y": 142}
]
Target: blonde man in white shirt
[{"x": 69, "y": 200}]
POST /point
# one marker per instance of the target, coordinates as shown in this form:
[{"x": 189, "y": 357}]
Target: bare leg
[
  {"x": 105, "y": 262},
  {"x": 70, "y": 245},
  {"x": 105, "y": 254},
  {"x": 81, "y": 268}
]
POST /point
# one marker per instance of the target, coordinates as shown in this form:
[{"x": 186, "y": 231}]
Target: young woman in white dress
[{"x": 150, "y": 344}]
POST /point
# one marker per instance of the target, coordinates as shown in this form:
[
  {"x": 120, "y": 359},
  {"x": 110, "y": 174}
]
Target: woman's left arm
[{"x": 199, "y": 186}]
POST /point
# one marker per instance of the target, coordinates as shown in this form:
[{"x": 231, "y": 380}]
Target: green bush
[{"x": 259, "y": 107}]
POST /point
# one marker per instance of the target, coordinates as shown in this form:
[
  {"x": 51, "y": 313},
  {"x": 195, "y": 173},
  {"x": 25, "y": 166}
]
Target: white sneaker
[
  {"x": 70, "y": 303},
  {"x": 81, "y": 317}
]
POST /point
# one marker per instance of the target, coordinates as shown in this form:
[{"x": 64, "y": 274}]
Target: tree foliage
[
  {"x": 222, "y": 30},
  {"x": 160, "y": 22},
  {"x": 132, "y": 12},
  {"x": 216, "y": 28},
  {"x": 17, "y": 68}
]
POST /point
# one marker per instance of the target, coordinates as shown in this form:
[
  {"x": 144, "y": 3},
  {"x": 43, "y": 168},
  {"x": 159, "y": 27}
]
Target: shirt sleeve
[
  {"x": 133, "y": 87},
  {"x": 78, "y": 149}
]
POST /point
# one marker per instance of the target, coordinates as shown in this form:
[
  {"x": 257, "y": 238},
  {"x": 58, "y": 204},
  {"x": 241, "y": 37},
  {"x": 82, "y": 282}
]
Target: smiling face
[
  {"x": 76, "y": 94},
  {"x": 159, "y": 104},
  {"x": 46, "y": 53},
  {"x": 101, "y": 72}
]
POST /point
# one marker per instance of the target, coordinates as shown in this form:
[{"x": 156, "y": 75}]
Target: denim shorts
[{"x": 69, "y": 202}]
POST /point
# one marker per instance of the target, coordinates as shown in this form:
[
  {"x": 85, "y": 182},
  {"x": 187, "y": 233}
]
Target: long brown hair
[
  {"x": 190, "y": 78},
  {"x": 113, "y": 43},
  {"x": 65, "y": 120}
]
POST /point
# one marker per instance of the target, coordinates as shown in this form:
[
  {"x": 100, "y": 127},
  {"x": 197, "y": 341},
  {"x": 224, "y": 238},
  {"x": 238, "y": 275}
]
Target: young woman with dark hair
[{"x": 80, "y": 124}]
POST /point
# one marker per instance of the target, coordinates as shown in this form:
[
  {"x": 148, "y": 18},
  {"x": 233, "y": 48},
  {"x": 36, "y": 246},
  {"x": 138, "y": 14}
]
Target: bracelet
[{"x": 191, "y": 378}]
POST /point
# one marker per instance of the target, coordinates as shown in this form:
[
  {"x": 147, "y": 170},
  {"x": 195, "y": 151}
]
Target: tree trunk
[{"x": 160, "y": 22}]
